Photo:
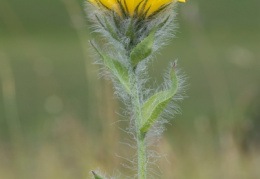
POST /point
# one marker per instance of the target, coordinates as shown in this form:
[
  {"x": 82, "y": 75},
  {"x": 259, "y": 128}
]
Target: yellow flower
[{"x": 131, "y": 5}]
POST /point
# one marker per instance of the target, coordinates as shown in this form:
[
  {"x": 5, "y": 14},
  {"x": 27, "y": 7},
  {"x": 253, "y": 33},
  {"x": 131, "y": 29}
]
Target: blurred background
[{"x": 58, "y": 119}]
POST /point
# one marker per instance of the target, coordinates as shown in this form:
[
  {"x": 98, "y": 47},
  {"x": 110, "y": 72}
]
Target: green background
[{"x": 58, "y": 119}]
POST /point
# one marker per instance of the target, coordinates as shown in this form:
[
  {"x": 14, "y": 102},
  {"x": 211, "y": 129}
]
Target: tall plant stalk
[
  {"x": 134, "y": 31},
  {"x": 141, "y": 145}
]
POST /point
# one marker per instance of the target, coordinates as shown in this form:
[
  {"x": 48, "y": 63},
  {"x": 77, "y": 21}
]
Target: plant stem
[
  {"x": 141, "y": 145},
  {"x": 141, "y": 155}
]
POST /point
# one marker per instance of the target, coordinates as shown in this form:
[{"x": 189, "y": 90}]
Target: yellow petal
[{"x": 132, "y": 4}]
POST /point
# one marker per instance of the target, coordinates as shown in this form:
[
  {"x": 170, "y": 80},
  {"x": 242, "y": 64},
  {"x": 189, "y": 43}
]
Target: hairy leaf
[
  {"x": 111, "y": 30},
  {"x": 155, "y": 105},
  {"x": 143, "y": 49},
  {"x": 97, "y": 176},
  {"x": 130, "y": 31},
  {"x": 117, "y": 69}
]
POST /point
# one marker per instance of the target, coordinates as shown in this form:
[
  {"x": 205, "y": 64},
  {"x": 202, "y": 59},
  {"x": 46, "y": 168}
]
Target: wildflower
[
  {"x": 132, "y": 31},
  {"x": 128, "y": 22}
]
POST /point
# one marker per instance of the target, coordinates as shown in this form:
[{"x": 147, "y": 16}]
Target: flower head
[
  {"x": 134, "y": 7},
  {"x": 127, "y": 23}
]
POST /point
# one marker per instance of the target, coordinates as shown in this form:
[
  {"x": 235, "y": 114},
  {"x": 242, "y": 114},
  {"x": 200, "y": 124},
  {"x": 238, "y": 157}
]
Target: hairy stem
[
  {"x": 141, "y": 145},
  {"x": 141, "y": 155}
]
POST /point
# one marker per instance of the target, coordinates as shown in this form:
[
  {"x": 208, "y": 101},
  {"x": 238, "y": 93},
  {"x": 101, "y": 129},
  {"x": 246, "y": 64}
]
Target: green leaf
[
  {"x": 117, "y": 69},
  {"x": 97, "y": 176},
  {"x": 130, "y": 30},
  {"x": 161, "y": 25},
  {"x": 155, "y": 105},
  {"x": 111, "y": 30},
  {"x": 143, "y": 49}
]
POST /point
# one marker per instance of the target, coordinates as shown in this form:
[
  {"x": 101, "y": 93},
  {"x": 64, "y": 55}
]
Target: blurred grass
[{"x": 57, "y": 119}]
